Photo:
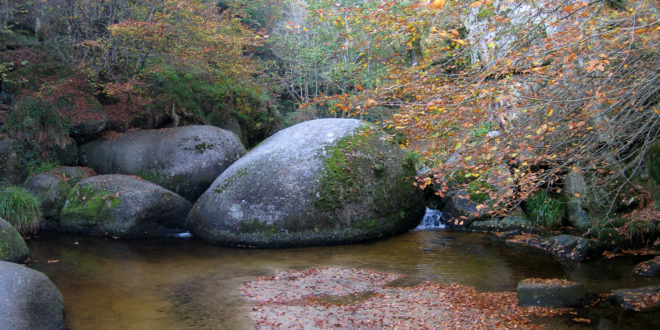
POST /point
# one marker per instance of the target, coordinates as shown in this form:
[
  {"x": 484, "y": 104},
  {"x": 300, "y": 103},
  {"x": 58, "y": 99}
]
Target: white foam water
[{"x": 431, "y": 220}]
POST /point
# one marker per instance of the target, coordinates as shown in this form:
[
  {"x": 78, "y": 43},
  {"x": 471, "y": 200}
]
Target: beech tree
[{"x": 511, "y": 96}]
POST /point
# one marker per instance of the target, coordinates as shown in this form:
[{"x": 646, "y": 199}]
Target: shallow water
[{"x": 173, "y": 282}]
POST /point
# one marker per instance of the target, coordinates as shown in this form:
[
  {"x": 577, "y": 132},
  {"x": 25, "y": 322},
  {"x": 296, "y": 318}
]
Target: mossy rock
[
  {"x": 122, "y": 206},
  {"x": 326, "y": 181},
  {"x": 51, "y": 190},
  {"x": 12, "y": 245},
  {"x": 609, "y": 238},
  {"x": 185, "y": 159}
]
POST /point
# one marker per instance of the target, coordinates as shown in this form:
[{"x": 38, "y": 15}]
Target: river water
[{"x": 173, "y": 283}]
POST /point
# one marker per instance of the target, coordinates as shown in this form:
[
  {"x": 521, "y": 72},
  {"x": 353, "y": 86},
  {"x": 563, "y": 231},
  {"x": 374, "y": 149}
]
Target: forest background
[{"x": 549, "y": 107}]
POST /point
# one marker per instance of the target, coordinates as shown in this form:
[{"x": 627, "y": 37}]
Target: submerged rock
[
  {"x": 562, "y": 246},
  {"x": 123, "y": 206},
  {"x": 639, "y": 299},
  {"x": 28, "y": 299},
  {"x": 326, "y": 181},
  {"x": 649, "y": 268},
  {"x": 552, "y": 293},
  {"x": 571, "y": 247},
  {"x": 12, "y": 245},
  {"x": 185, "y": 159}
]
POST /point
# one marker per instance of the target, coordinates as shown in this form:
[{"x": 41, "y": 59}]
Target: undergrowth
[{"x": 20, "y": 208}]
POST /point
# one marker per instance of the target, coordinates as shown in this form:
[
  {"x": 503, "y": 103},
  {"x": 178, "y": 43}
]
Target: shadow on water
[{"x": 187, "y": 283}]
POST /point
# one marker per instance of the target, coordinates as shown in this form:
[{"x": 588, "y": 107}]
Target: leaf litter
[{"x": 338, "y": 297}]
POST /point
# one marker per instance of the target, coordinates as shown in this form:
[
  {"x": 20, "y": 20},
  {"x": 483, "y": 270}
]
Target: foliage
[
  {"x": 21, "y": 209},
  {"x": 36, "y": 128},
  {"x": 571, "y": 85},
  {"x": 640, "y": 231},
  {"x": 544, "y": 209},
  {"x": 132, "y": 49},
  {"x": 323, "y": 48}
]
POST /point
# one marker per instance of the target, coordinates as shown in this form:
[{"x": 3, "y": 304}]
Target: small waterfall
[
  {"x": 431, "y": 220},
  {"x": 186, "y": 234}
]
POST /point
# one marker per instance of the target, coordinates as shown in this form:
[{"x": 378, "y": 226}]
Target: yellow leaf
[
  {"x": 576, "y": 195},
  {"x": 437, "y": 4}
]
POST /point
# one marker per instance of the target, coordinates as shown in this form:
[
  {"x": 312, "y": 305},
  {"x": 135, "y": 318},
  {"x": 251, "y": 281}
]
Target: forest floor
[{"x": 336, "y": 297}]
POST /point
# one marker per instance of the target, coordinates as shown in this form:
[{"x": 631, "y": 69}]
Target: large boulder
[
  {"x": 12, "y": 245},
  {"x": 122, "y": 206},
  {"x": 28, "y": 299},
  {"x": 326, "y": 181},
  {"x": 184, "y": 159}
]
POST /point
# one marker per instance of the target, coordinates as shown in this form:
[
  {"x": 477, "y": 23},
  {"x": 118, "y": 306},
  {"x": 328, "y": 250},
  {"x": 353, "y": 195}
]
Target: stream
[{"x": 182, "y": 282}]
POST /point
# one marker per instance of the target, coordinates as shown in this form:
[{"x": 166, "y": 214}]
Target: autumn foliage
[{"x": 517, "y": 102}]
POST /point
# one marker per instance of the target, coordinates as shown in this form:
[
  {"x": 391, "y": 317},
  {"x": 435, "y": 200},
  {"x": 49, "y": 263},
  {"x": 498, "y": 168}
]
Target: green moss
[
  {"x": 85, "y": 204},
  {"x": 230, "y": 181},
  {"x": 608, "y": 238},
  {"x": 201, "y": 147},
  {"x": 358, "y": 174},
  {"x": 478, "y": 190},
  {"x": 256, "y": 226},
  {"x": 485, "y": 12},
  {"x": 158, "y": 177}
]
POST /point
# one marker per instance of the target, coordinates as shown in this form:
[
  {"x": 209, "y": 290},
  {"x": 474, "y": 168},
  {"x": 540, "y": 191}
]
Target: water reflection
[{"x": 186, "y": 283}]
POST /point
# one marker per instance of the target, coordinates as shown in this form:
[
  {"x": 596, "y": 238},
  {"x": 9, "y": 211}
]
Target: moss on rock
[
  {"x": 12, "y": 245},
  {"x": 88, "y": 205}
]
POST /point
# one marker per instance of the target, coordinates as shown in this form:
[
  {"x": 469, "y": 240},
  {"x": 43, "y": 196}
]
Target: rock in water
[
  {"x": 642, "y": 299},
  {"x": 552, "y": 293},
  {"x": 51, "y": 190},
  {"x": 184, "y": 159},
  {"x": 12, "y": 245},
  {"x": 326, "y": 181},
  {"x": 28, "y": 299},
  {"x": 123, "y": 206}
]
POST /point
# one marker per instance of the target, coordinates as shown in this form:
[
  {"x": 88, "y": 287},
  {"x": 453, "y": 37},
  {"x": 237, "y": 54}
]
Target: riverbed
[{"x": 182, "y": 282}]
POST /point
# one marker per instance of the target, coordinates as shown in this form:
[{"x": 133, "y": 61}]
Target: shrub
[
  {"x": 545, "y": 209},
  {"x": 37, "y": 129},
  {"x": 478, "y": 190},
  {"x": 640, "y": 232},
  {"x": 21, "y": 209}
]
